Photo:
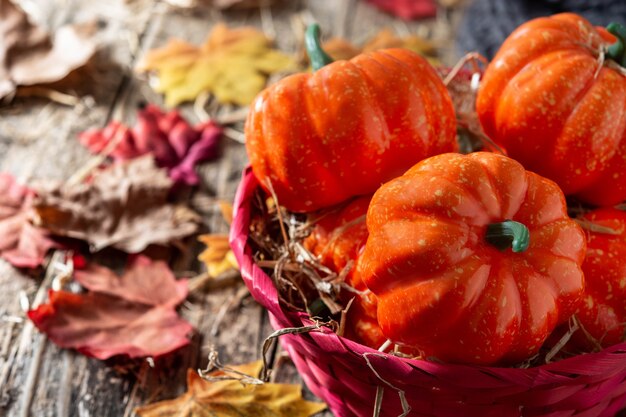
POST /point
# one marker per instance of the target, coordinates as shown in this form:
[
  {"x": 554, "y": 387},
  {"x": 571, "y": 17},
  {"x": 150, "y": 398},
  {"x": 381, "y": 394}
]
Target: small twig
[
  {"x": 563, "y": 341},
  {"x": 235, "y": 116},
  {"x": 271, "y": 339},
  {"x": 50, "y": 94},
  {"x": 378, "y": 402},
  {"x": 267, "y": 20},
  {"x": 279, "y": 211},
  {"x": 406, "y": 408},
  {"x": 204, "y": 281},
  {"x": 234, "y": 134},
  {"x": 385, "y": 345},
  {"x": 215, "y": 365},
  {"x": 470, "y": 57},
  {"x": 597, "y": 228},
  {"x": 199, "y": 106},
  {"x": 241, "y": 293}
]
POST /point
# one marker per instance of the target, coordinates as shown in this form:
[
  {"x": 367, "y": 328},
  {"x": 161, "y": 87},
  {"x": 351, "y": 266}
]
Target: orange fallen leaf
[
  {"x": 339, "y": 48},
  {"x": 232, "y": 398},
  {"x": 232, "y": 64},
  {"x": 218, "y": 257}
]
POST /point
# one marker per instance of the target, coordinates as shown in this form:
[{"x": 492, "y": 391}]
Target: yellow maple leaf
[
  {"x": 218, "y": 257},
  {"x": 234, "y": 399},
  {"x": 233, "y": 64}
]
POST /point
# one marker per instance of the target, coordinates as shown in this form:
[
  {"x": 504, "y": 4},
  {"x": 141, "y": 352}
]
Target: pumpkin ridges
[
  {"x": 569, "y": 126},
  {"x": 509, "y": 182},
  {"x": 527, "y": 123},
  {"x": 350, "y": 133},
  {"x": 605, "y": 273},
  {"x": 401, "y": 250},
  {"x": 602, "y": 122}
]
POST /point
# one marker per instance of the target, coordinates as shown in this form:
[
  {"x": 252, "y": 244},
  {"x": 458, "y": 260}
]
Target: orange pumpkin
[
  {"x": 472, "y": 259},
  {"x": 603, "y": 311},
  {"x": 338, "y": 239},
  {"x": 556, "y": 102},
  {"x": 319, "y": 139}
]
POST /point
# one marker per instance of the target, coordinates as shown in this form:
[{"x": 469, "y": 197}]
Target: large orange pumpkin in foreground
[
  {"x": 472, "y": 259},
  {"x": 557, "y": 103},
  {"x": 347, "y": 128}
]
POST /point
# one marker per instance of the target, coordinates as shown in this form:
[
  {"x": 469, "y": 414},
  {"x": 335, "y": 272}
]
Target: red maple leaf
[
  {"x": 132, "y": 314},
  {"x": 175, "y": 144},
  {"x": 408, "y": 9},
  {"x": 21, "y": 243}
]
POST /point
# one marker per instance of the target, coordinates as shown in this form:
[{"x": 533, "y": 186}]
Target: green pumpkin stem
[
  {"x": 617, "y": 51},
  {"x": 314, "y": 50},
  {"x": 508, "y": 234}
]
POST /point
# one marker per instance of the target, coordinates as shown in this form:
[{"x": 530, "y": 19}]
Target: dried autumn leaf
[
  {"x": 132, "y": 314},
  {"x": 21, "y": 243},
  {"x": 220, "y": 4},
  {"x": 124, "y": 206},
  {"x": 218, "y": 257},
  {"x": 233, "y": 64},
  {"x": 407, "y": 9},
  {"x": 339, "y": 48},
  {"x": 175, "y": 144},
  {"x": 28, "y": 56},
  {"x": 234, "y": 399}
]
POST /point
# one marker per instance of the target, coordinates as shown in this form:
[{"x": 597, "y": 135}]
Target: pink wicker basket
[{"x": 348, "y": 376}]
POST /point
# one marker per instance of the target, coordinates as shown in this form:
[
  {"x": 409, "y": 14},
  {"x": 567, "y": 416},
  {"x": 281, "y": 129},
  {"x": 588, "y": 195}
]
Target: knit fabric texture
[{"x": 487, "y": 23}]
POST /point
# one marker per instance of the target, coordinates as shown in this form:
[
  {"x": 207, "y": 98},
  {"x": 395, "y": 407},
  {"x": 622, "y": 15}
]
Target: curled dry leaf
[
  {"x": 21, "y": 243},
  {"x": 124, "y": 206},
  {"x": 232, "y": 64},
  {"x": 220, "y": 4},
  {"x": 132, "y": 314},
  {"x": 174, "y": 143},
  {"x": 339, "y": 48},
  {"x": 231, "y": 398},
  {"x": 218, "y": 257},
  {"x": 29, "y": 56},
  {"x": 408, "y": 9}
]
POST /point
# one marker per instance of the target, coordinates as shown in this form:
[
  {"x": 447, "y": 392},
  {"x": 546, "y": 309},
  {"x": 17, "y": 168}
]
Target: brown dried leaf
[
  {"x": 28, "y": 56},
  {"x": 124, "y": 206}
]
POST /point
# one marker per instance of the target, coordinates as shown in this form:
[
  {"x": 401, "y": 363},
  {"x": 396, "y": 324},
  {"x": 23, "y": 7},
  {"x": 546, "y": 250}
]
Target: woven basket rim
[{"x": 261, "y": 285}]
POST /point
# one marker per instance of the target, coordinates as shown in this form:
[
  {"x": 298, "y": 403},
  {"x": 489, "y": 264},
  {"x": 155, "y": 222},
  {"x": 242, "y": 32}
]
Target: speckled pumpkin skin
[
  {"x": 546, "y": 99},
  {"x": 603, "y": 310},
  {"x": 442, "y": 288},
  {"x": 337, "y": 239},
  {"x": 347, "y": 128}
]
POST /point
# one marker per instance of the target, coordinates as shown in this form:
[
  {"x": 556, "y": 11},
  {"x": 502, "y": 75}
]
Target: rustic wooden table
[{"x": 38, "y": 141}]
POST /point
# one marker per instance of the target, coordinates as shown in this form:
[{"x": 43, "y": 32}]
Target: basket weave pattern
[{"x": 347, "y": 375}]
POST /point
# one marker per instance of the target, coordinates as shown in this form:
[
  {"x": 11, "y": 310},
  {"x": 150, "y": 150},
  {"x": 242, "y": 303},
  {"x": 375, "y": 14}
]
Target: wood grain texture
[{"x": 38, "y": 142}]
